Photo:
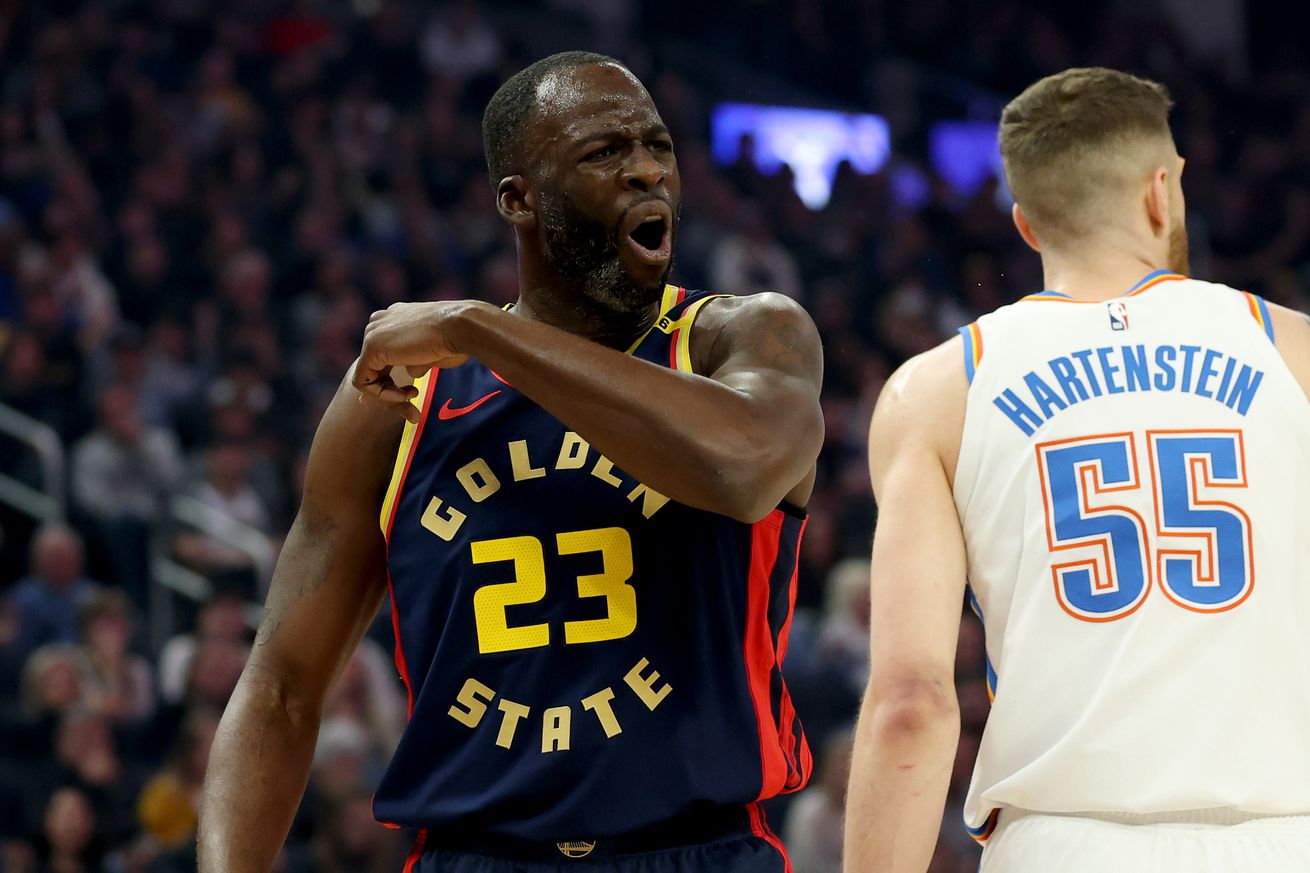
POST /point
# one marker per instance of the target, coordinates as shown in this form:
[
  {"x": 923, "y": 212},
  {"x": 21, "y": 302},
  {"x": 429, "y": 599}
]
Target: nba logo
[{"x": 1118, "y": 315}]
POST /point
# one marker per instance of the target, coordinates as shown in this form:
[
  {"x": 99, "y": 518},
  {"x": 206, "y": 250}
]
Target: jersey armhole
[
  {"x": 973, "y": 349},
  {"x": 405, "y": 452},
  {"x": 680, "y": 334},
  {"x": 1260, "y": 312}
]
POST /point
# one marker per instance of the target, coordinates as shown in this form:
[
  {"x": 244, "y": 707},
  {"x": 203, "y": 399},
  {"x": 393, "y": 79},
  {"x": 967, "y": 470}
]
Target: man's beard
[
  {"x": 585, "y": 253},
  {"x": 1178, "y": 261}
]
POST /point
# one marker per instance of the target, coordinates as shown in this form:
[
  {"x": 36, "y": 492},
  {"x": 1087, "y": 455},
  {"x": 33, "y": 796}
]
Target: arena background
[{"x": 201, "y": 203}]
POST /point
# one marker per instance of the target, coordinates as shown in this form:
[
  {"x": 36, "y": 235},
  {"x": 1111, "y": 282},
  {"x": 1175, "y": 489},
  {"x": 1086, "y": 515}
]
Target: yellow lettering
[
  {"x": 651, "y": 500},
  {"x": 471, "y": 696},
  {"x": 602, "y": 471},
  {"x": 573, "y": 452},
  {"x": 615, "y": 547},
  {"x": 644, "y": 686},
  {"x": 555, "y": 726},
  {"x": 599, "y": 703},
  {"x": 521, "y": 463},
  {"x": 443, "y": 526},
  {"x": 478, "y": 480},
  {"x": 514, "y": 713},
  {"x": 490, "y": 601}
]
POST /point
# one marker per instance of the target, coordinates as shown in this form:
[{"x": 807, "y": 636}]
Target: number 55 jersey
[
  {"x": 1131, "y": 483},
  {"x": 584, "y": 657}
]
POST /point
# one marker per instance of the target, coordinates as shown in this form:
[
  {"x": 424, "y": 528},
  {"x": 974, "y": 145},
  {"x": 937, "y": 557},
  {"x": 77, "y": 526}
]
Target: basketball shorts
[
  {"x": 737, "y": 841},
  {"x": 1205, "y": 841}
]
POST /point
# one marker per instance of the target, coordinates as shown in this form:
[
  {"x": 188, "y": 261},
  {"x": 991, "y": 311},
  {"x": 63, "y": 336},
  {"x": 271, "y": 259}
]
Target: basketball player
[
  {"x": 1116, "y": 466},
  {"x": 589, "y": 533}
]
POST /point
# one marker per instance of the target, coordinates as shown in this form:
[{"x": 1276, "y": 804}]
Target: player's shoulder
[
  {"x": 929, "y": 380},
  {"x": 729, "y": 322},
  {"x": 750, "y": 309},
  {"x": 924, "y": 400},
  {"x": 354, "y": 447}
]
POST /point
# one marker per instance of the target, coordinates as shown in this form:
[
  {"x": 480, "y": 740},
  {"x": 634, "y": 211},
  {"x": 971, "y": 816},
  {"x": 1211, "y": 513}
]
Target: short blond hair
[{"x": 1073, "y": 137}]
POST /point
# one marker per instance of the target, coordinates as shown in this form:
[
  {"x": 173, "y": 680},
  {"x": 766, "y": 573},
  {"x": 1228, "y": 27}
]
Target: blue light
[
  {"x": 965, "y": 154},
  {"x": 812, "y": 142}
]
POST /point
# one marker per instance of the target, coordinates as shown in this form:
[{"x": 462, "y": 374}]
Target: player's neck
[
  {"x": 1096, "y": 278},
  {"x": 584, "y": 318}
]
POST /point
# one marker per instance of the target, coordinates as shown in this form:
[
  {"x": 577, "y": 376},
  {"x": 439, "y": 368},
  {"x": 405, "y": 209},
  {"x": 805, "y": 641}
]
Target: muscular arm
[
  {"x": 909, "y": 724},
  {"x": 736, "y": 440},
  {"x": 328, "y": 585}
]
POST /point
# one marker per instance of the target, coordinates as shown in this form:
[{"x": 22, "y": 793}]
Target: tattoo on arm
[
  {"x": 308, "y": 566},
  {"x": 781, "y": 345}
]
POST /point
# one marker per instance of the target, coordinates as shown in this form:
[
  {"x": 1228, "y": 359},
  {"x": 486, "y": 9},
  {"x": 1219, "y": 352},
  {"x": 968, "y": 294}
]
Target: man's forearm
[
  {"x": 690, "y": 438},
  {"x": 900, "y": 773},
  {"x": 258, "y": 768}
]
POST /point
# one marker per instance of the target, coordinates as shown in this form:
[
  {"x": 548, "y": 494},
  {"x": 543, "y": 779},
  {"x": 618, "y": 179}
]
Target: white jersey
[{"x": 1131, "y": 483}]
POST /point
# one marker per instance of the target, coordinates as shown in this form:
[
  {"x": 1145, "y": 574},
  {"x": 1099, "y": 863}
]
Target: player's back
[{"x": 1129, "y": 485}]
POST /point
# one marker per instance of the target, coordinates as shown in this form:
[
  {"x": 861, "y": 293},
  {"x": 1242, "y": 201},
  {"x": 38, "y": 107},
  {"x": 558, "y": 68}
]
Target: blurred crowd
[{"x": 201, "y": 203}]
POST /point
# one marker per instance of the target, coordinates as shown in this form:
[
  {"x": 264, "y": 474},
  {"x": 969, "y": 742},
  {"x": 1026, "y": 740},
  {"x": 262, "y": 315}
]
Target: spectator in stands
[
  {"x": 114, "y": 681},
  {"x": 459, "y": 43},
  {"x": 48, "y": 600},
  {"x": 52, "y": 682},
  {"x": 844, "y": 636},
  {"x": 169, "y": 804},
  {"x": 239, "y": 516},
  {"x": 366, "y": 702},
  {"x": 69, "y": 840},
  {"x": 221, "y": 618},
  {"x": 214, "y": 672},
  {"x": 349, "y": 840},
  {"x": 11, "y": 664},
  {"x": 121, "y": 474},
  {"x": 85, "y": 756},
  {"x": 813, "y": 834},
  {"x": 752, "y": 260}
]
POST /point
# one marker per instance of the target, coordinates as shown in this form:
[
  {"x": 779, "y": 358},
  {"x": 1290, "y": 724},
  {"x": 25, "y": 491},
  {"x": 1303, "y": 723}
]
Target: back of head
[{"x": 1079, "y": 144}]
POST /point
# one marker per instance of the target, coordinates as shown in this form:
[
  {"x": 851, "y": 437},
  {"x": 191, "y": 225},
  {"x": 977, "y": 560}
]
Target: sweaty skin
[{"x": 738, "y": 436}]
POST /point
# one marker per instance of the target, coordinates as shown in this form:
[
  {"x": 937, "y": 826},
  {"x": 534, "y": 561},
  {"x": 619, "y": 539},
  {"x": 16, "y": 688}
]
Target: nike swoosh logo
[{"x": 445, "y": 413}]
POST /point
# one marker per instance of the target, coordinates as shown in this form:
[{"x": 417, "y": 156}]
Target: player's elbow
[
  {"x": 751, "y": 477},
  {"x": 743, "y": 495},
  {"x": 273, "y": 695},
  {"x": 912, "y": 705}
]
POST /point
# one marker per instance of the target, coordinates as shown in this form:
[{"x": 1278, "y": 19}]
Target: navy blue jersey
[{"x": 584, "y": 657}]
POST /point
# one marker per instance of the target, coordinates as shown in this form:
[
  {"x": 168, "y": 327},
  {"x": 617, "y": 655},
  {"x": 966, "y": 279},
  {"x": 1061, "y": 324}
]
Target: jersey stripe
[
  {"x": 760, "y": 827},
  {"x": 991, "y": 672},
  {"x": 680, "y": 347},
  {"x": 1148, "y": 282},
  {"x": 1260, "y": 312},
  {"x": 405, "y": 453},
  {"x": 982, "y": 833},
  {"x": 973, "y": 349},
  {"x": 409, "y": 441},
  {"x": 673, "y": 295},
  {"x": 759, "y": 655},
  {"x": 415, "y": 853}
]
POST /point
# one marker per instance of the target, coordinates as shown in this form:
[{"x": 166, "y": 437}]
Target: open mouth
[
  {"x": 650, "y": 233},
  {"x": 648, "y": 230}
]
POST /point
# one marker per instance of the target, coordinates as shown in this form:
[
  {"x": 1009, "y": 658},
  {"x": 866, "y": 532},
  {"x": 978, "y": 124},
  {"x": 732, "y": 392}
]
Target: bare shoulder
[
  {"x": 768, "y": 329},
  {"x": 1292, "y": 337},
  {"x": 922, "y": 407},
  {"x": 353, "y": 451},
  {"x": 1290, "y": 322}
]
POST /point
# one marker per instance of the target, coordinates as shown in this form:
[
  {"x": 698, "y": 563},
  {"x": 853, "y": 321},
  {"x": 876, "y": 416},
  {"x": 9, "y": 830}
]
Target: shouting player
[
  {"x": 589, "y": 533},
  {"x": 1115, "y": 464}
]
